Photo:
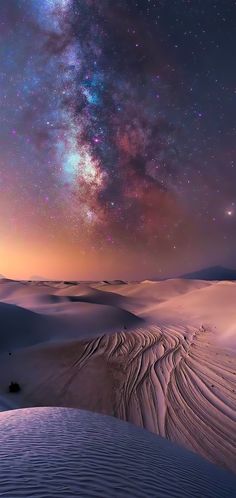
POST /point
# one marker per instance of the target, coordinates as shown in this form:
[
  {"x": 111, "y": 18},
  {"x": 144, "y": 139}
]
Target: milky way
[{"x": 117, "y": 128}]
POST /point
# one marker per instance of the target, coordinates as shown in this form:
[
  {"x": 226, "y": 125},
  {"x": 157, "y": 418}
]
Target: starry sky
[{"x": 117, "y": 137}]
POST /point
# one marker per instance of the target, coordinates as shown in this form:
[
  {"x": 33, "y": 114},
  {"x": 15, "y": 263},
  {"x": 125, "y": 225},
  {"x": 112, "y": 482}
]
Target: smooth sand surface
[
  {"x": 158, "y": 354},
  {"x": 58, "y": 452}
]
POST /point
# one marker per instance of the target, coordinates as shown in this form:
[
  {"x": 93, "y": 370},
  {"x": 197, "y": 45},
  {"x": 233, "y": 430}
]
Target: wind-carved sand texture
[
  {"x": 158, "y": 354},
  {"x": 59, "y": 452}
]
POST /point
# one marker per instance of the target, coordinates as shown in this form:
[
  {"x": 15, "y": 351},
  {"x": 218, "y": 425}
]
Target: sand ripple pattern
[
  {"x": 59, "y": 452},
  {"x": 175, "y": 383}
]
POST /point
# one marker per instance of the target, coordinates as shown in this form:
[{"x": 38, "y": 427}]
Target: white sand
[
  {"x": 56, "y": 452},
  {"x": 158, "y": 354}
]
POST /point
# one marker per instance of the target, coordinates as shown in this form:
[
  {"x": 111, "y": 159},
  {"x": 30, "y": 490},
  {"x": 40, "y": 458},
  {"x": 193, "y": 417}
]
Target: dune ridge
[{"x": 53, "y": 452}]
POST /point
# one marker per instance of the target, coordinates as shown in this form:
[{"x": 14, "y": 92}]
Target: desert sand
[
  {"x": 160, "y": 355},
  {"x": 61, "y": 452}
]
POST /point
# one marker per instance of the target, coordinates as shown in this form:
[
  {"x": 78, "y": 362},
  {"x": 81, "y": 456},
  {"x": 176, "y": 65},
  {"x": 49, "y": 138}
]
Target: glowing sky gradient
[{"x": 117, "y": 137}]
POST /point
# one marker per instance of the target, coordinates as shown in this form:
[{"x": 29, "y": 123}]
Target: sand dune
[
  {"x": 158, "y": 354},
  {"x": 178, "y": 301},
  {"x": 68, "y": 453},
  {"x": 37, "y": 313}
]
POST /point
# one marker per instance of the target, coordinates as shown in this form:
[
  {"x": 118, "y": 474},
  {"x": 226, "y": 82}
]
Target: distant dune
[
  {"x": 212, "y": 273},
  {"x": 48, "y": 452},
  {"x": 158, "y": 354}
]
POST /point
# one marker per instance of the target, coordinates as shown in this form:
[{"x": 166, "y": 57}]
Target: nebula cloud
[{"x": 106, "y": 134}]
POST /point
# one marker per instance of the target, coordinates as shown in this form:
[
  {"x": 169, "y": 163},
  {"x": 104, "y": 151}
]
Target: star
[{"x": 117, "y": 118}]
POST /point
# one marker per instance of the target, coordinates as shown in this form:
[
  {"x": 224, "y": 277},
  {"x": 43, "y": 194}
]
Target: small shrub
[{"x": 14, "y": 387}]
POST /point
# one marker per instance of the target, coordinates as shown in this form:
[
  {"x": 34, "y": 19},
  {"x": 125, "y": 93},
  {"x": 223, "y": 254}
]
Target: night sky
[{"x": 117, "y": 137}]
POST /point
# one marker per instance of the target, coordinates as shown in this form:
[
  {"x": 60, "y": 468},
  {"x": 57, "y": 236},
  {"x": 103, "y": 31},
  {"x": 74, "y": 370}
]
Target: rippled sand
[
  {"x": 158, "y": 354},
  {"x": 57, "y": 452}
]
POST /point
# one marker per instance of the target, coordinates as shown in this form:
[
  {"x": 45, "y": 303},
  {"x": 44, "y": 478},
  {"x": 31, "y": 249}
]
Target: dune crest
[{"x": 76, "y": 453}]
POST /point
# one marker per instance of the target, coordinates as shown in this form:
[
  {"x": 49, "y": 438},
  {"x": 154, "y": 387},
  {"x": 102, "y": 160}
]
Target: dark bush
[{"x": 14, "y": 387}]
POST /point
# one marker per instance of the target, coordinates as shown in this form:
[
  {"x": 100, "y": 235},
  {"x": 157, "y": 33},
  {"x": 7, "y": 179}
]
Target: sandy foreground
[
  {"x": 61, "y": 452},
  {"x": 158, "y": 354}
]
